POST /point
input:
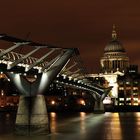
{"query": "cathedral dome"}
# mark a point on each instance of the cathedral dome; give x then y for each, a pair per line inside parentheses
(114, 45)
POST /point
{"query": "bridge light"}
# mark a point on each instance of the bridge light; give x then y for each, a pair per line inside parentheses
(40, 70)
(8, 79)
(75, 79)
(24, 74)
(64, 76)
(70, 78)
(35, 76)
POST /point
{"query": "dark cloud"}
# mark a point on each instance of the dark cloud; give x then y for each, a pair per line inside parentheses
(85, 24)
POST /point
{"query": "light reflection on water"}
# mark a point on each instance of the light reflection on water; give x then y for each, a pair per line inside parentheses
(110, 126)
(115, 127)
(82, 122)
(53, 122)
(137, 114)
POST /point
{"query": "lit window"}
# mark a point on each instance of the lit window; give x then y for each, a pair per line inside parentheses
(135, 104)
(132, 71)
(127, 82)
(121, 103)
(135, 99)
(135, 94)
(74, 93)
(121, 99)
(135, 88)
(121, 88)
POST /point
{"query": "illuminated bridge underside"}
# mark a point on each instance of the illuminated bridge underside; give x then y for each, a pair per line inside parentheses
(11, 62)
(32, 76)
(26, 64)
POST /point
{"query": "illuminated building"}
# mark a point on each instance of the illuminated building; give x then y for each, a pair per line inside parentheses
(124, 78)
(118, 73)
(110, 80)
(129, 87)
(8, 101)
(8, 94)
(66, 98)
(114, 58)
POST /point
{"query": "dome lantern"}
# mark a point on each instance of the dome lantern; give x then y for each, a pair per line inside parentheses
(114, 34)
(114, 45)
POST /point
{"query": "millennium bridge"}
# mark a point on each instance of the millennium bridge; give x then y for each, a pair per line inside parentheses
(32, 67)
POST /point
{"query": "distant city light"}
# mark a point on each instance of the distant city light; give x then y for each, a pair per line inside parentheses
(82, 102)
(53, 102)
(2, 93)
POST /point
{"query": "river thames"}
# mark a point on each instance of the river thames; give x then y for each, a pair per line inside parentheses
(80, 126)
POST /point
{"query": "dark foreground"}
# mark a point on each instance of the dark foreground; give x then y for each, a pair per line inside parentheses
(80, 126)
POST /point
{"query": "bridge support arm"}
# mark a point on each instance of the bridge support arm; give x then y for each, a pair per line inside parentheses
(54, 70)
(67, 69)
(40, 60)
(32, 117)
(99, 106)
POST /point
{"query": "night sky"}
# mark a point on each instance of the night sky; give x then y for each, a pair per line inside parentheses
(85, 24)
